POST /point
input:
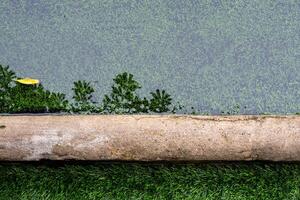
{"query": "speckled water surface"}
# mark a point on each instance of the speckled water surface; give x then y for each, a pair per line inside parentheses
(209, 54)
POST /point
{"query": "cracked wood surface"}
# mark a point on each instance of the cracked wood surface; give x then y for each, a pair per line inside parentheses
(149, 137)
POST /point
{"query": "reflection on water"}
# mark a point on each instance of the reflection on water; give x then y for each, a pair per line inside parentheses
(209, 54)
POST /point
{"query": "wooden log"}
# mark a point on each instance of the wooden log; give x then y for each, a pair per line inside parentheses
(149, 137)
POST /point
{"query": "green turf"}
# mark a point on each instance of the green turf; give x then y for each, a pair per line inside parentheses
(160, 181)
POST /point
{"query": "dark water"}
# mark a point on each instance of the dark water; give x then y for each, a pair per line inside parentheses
(209, 54)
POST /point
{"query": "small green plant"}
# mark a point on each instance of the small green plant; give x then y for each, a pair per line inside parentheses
(123, 97)
(83, 94)
(18, 98)
(160, 101)
(57, 102)
(6, 78)
(35, 99)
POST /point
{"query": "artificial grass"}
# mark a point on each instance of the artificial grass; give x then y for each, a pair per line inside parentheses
(246, 180)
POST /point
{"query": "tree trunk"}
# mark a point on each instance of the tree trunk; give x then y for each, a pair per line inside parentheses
(149, 137)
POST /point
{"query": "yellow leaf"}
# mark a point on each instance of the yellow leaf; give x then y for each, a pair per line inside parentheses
(28, 81)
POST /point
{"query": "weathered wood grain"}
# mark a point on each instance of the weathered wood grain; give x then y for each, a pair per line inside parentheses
(149, 137)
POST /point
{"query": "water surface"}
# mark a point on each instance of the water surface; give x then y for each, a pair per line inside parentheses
(208, 54)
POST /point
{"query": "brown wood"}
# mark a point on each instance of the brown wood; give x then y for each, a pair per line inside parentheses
(149, 137)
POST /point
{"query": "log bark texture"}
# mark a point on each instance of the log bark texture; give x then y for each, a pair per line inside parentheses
(149, 137)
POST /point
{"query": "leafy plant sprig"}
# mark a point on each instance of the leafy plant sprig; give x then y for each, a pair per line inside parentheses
(160, 101)
(6, 78)
(83, 94)
(123, 97)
